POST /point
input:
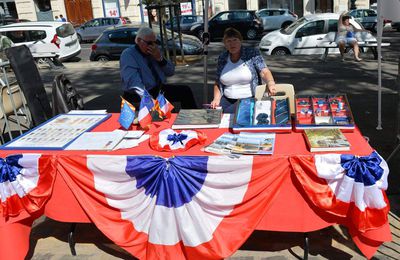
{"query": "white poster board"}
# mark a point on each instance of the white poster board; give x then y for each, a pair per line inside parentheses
(186, 8)
(111, 9)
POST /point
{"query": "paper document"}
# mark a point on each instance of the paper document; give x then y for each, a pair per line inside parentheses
(97, 141)
(129, 143)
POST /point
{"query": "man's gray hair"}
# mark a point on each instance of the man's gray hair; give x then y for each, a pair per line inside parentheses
(143, 32)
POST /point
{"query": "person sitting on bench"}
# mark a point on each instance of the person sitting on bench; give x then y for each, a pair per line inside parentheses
(346, 36)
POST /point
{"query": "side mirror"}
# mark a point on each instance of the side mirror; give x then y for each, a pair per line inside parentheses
(299, 34)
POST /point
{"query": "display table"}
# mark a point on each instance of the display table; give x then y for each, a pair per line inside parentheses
(278, 197)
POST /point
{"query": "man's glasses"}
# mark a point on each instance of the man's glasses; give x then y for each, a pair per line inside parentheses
(150, 42)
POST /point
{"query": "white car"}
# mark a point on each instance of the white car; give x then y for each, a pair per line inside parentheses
(57, 38)
(306, 34)
(276, 18)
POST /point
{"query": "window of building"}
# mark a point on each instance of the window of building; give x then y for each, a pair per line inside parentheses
(43, 5)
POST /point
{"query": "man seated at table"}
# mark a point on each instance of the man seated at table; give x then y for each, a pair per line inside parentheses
(142, 66)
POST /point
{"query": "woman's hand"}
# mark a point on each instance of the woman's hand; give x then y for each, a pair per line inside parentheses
(271, 87)
(215, 103)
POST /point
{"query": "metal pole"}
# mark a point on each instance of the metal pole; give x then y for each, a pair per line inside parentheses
(177, 11)
(379, 31)
(205, 87)
(172, 33)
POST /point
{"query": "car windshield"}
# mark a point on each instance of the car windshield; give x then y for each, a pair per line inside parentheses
(291, 28)
(65, 30)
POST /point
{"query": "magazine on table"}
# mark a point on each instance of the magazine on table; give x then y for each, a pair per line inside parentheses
(243, 143)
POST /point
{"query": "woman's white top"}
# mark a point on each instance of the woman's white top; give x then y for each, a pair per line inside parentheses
(237, 78)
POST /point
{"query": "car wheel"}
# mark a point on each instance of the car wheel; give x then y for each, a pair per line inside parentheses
(280, 51)
(251, 34)
(79, 38)
(286, 24)
(102, 58)
(200, 34)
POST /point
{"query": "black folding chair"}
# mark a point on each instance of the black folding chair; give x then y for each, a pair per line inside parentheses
(64, 96)
(29, 80)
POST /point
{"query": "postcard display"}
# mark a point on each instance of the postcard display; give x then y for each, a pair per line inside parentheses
(323, 111)
(56, 133)
(270, 114)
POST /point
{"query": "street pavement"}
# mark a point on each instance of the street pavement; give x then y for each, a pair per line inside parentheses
(99, 84)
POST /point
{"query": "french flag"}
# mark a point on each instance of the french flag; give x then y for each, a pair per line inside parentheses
(26, 183)
(165, 107)
(189, 207)
(146, 105)
(347, 186)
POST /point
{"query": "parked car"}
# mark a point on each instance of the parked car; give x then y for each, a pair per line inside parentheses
(273, 19)
(396, 26)
(305, 35)
(367, 17)
(113, 41)
(247, 22)
(185, 22)
(52, 37)
(92, 29)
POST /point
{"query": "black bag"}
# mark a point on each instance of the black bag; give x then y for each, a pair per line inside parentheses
(64, 96)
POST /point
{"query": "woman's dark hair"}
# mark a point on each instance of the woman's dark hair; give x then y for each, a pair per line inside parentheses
(232, 33)
(345, 17)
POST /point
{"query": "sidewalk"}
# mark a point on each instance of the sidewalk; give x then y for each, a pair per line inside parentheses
(99, 84)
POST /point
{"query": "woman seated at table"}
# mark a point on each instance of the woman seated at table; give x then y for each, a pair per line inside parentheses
(238, 72)
(346, 36)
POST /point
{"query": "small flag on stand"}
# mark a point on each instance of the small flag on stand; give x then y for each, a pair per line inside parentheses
(127, 114)
(146, 105)
(164, 106)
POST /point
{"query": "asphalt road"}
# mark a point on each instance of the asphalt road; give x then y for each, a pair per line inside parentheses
(388, 36)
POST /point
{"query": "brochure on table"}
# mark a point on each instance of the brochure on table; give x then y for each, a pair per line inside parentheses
(56, 133)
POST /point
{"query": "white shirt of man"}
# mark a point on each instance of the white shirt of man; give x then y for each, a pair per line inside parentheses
(237, 78)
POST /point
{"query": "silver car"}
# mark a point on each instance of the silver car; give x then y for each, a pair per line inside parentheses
(276, 18)
(367, 17)
(92, 29)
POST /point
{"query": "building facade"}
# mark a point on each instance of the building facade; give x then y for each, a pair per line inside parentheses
(79, 11)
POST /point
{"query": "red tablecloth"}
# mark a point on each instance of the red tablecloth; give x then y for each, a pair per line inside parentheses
(290, 211)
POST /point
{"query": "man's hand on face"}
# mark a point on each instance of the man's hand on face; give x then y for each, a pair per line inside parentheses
(154, 51)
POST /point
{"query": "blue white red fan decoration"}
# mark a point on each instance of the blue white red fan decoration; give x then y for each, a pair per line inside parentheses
(170, 140)
(26, 183)
(347, 186)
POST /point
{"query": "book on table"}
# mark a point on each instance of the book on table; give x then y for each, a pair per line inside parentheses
(326, 140)
(198, 118)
